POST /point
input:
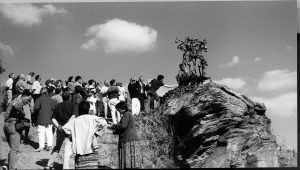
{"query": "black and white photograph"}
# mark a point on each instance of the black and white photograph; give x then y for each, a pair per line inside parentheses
(145, 84)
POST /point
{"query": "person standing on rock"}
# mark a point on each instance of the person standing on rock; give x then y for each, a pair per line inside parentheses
(62, 113)
(129, 155)
(154, 85)
(13, 115)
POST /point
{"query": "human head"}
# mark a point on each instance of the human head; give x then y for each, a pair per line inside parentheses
(11, 75)
(22, 76)
(181, 66)
(38, 78)
(112, 82)
(141, 78)
(160, 77)
(70, 79)
(83, 107)
(51, 89)
(57, 90)
(106, 83)
(78, 79)
(132, 80)
(26, 96)
(122, 107)
(31, 73)
(119, 84)
(91, 82)
(66, 96)
(44, 90)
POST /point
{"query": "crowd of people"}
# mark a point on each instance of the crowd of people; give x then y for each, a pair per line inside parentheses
(58, 106)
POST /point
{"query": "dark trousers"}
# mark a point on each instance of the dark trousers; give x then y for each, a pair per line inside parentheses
(142, 99)
(151, 97)
(13, 139)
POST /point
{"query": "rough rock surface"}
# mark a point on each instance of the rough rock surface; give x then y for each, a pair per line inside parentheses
(215, 127)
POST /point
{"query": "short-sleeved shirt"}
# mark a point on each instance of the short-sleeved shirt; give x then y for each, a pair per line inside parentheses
(36, 86)
(63, 112)
(9, 83)
(155, 85)
(113, 92)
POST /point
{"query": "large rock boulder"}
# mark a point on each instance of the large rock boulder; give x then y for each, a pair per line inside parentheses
(215, 127)
(203, 126)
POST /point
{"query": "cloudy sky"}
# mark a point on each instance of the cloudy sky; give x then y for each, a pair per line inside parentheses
(252, 46)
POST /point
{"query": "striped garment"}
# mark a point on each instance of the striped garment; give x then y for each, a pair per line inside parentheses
(129, 155)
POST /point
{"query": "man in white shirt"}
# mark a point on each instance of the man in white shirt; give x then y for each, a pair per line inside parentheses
(36, 87)
(8, 87)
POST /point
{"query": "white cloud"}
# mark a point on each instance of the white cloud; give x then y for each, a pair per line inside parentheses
(119, 35)
(6, 50)
(278, 80)
(257, 59)
(234, 61)
(284, 105)
(234, 83)
(28, 14)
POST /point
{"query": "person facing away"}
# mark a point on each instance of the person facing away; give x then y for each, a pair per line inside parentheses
(14, 114)
(134, 95)
(113, 96)
(57, 97)
(129, 156)
(63, 112)
(83, 129)
(44, 106)
(36, 87)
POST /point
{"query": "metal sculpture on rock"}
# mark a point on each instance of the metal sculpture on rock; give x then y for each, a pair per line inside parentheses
(193, 59)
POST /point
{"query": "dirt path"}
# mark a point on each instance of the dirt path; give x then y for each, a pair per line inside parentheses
(29, 158)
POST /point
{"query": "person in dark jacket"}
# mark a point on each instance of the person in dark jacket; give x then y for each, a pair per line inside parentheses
(63, 112)
(44, 106)
(128, 139)
(133, 90)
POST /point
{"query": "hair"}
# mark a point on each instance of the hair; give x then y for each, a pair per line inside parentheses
(44, 90)
(66, 96)
(77, 78)
(84, 84)
(112, 82)
(57, 90)
(26, 92)
(51, 89)
(122, 105)
(91, 81)
(10, 75)
(159, 77)
(37, 77)
(77, 89)
(180, 65)
(70, 78)
(83, 107)
(31, 73)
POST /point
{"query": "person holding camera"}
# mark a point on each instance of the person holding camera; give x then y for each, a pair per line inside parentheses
(14, 125)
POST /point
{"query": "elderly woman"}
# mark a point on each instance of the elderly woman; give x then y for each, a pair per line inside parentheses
(128, 138)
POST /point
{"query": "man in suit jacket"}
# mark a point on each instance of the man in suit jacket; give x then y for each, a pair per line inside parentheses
(141, 90)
